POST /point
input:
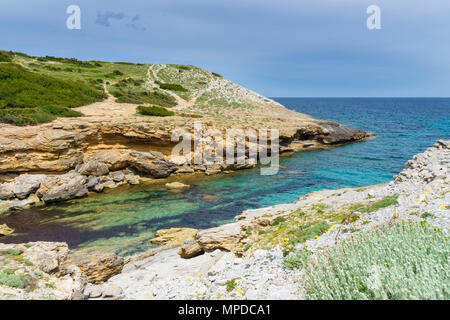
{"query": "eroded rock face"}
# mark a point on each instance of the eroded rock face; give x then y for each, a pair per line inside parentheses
(45, 268)
(174, 236)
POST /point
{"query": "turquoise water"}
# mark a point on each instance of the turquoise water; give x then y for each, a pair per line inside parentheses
(124, 219)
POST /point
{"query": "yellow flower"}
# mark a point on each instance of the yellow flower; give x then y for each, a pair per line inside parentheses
(287, 249)
(189, 279)
(295, 237)
(362, 219)
(334, 227)
(373, 225)
(356, 224)
(239, 291)
(200, 276)
(317, 237)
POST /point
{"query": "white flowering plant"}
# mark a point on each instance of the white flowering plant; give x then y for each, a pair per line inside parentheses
(399, 261)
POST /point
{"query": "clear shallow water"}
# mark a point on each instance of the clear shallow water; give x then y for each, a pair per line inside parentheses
(124, 219)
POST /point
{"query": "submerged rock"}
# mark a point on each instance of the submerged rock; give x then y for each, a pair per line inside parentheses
(177, 185)
(5, 230)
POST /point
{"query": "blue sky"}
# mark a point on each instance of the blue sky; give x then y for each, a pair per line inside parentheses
(303, 48)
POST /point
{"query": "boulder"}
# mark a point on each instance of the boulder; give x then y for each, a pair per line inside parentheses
(92, 182)
(213, 169)
(27, 184)
(174, 236)
(112, 290)
(132, 179)
(225, 237)
(5, 230)
(190, 249)
(99, 267)
(117, 176)
(94, 168)
(177, 185)
(23, 204)
(6, 191)
(115, 159)
(63, 187)
(47, 256)
(152, 163)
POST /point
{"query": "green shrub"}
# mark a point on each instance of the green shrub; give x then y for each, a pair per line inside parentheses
(231, 284)
(404, 261)
(11, 281)
(13, 252)
(154, 111)
(8, 271)
(151, 97)
(296, 260)
(172, 87)
(278, 220)
(308, 231)
(377, 205)
(28, 98)
(4, 57)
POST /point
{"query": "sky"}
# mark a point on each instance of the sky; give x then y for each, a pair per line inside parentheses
(279, 48)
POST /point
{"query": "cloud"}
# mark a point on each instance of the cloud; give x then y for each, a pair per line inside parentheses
(134, 24)
(103, 18)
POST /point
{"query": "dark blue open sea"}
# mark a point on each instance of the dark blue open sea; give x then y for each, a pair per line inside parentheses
(124, 219)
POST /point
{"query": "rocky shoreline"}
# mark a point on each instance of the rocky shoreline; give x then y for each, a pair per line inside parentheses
(241, 260)
(225, 270)
(57, 163)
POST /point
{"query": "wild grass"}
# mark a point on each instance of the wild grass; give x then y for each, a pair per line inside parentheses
(375, 206)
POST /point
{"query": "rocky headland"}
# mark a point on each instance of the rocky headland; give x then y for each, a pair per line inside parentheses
(110, 143)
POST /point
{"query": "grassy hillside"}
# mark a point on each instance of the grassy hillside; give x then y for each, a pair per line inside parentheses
(28, 97)
(38, 89)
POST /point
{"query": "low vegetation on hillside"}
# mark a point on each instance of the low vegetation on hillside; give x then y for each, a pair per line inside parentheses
(154, 111)
(28, 97)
